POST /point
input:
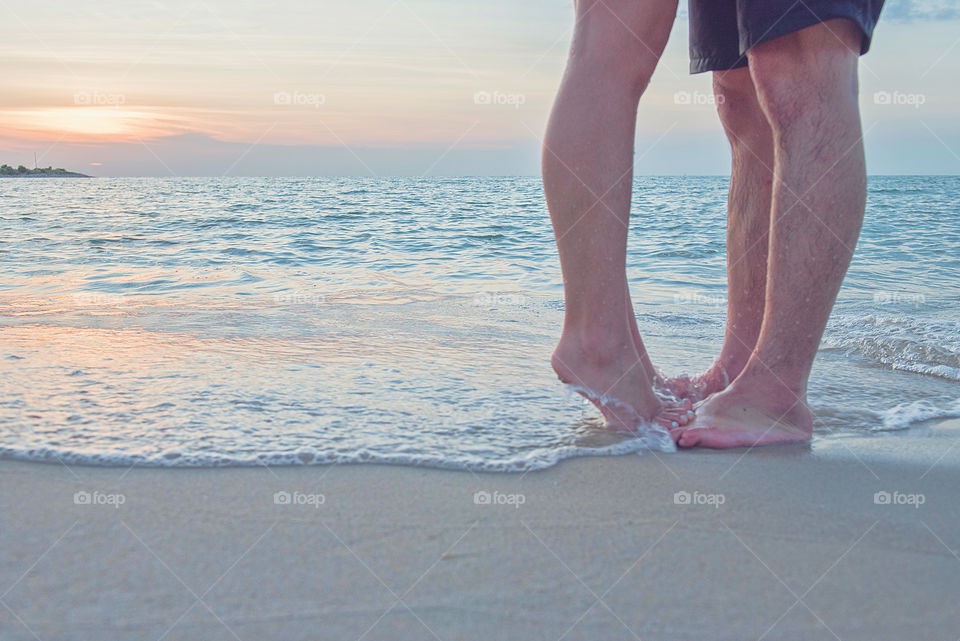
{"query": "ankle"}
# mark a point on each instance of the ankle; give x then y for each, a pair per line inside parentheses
(781, 389)
(598, 348)
(727, 368)
(734, 355)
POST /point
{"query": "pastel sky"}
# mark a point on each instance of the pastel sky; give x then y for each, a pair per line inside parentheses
(386, 87)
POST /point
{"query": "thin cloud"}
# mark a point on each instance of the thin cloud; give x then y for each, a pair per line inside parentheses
(915, 10)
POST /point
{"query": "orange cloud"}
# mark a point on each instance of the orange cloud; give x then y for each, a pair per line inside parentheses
(87, 124)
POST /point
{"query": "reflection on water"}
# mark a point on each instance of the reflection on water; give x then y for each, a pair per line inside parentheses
(225, 321)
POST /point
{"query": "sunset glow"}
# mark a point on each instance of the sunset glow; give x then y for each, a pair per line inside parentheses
(89, 124)
(399, 85)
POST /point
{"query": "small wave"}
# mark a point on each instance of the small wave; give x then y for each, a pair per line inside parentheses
(940, 371)
(530, 461)
(243, 207)
(652, 435)
(107, 240)
(904, 415)
(897, 190)
(921, 346)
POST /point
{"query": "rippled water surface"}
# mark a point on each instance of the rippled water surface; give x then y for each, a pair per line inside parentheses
(293, 320)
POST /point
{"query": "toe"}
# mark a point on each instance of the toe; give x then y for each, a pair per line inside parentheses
(690, 437)
(671, 412)
(677, 415)
(667, 422)
(713, 438)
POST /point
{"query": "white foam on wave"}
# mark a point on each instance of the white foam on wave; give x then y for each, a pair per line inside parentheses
(535, 460)
(904, 415)
(653, 436)
(902, 342)
(940, 371)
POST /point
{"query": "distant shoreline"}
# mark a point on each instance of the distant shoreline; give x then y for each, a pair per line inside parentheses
(66, 175)
(6, 171)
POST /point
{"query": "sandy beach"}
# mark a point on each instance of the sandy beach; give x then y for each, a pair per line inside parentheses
(775, 543)
(420, 321)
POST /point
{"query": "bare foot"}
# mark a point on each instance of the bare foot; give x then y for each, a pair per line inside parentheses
(745, 415)
(615, 380)
(697, 388)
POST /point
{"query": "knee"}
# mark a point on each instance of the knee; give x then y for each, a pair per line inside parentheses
(784, 89)
(621, 38)
(803, 76)
(740, 114)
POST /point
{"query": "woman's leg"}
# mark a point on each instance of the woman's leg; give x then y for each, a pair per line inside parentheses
(588, 175)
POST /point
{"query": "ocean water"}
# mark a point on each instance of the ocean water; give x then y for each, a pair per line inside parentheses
(247, 321)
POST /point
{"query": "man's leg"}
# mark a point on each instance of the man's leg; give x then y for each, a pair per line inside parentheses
(807, 85)
(748, 226)
(587, 175)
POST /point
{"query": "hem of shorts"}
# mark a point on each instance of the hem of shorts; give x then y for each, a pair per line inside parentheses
(707, 63)
(785, 29)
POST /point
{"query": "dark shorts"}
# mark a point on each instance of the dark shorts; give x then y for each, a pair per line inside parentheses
(722, 31)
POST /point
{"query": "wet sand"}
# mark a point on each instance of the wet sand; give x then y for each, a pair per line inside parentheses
(774, 543)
